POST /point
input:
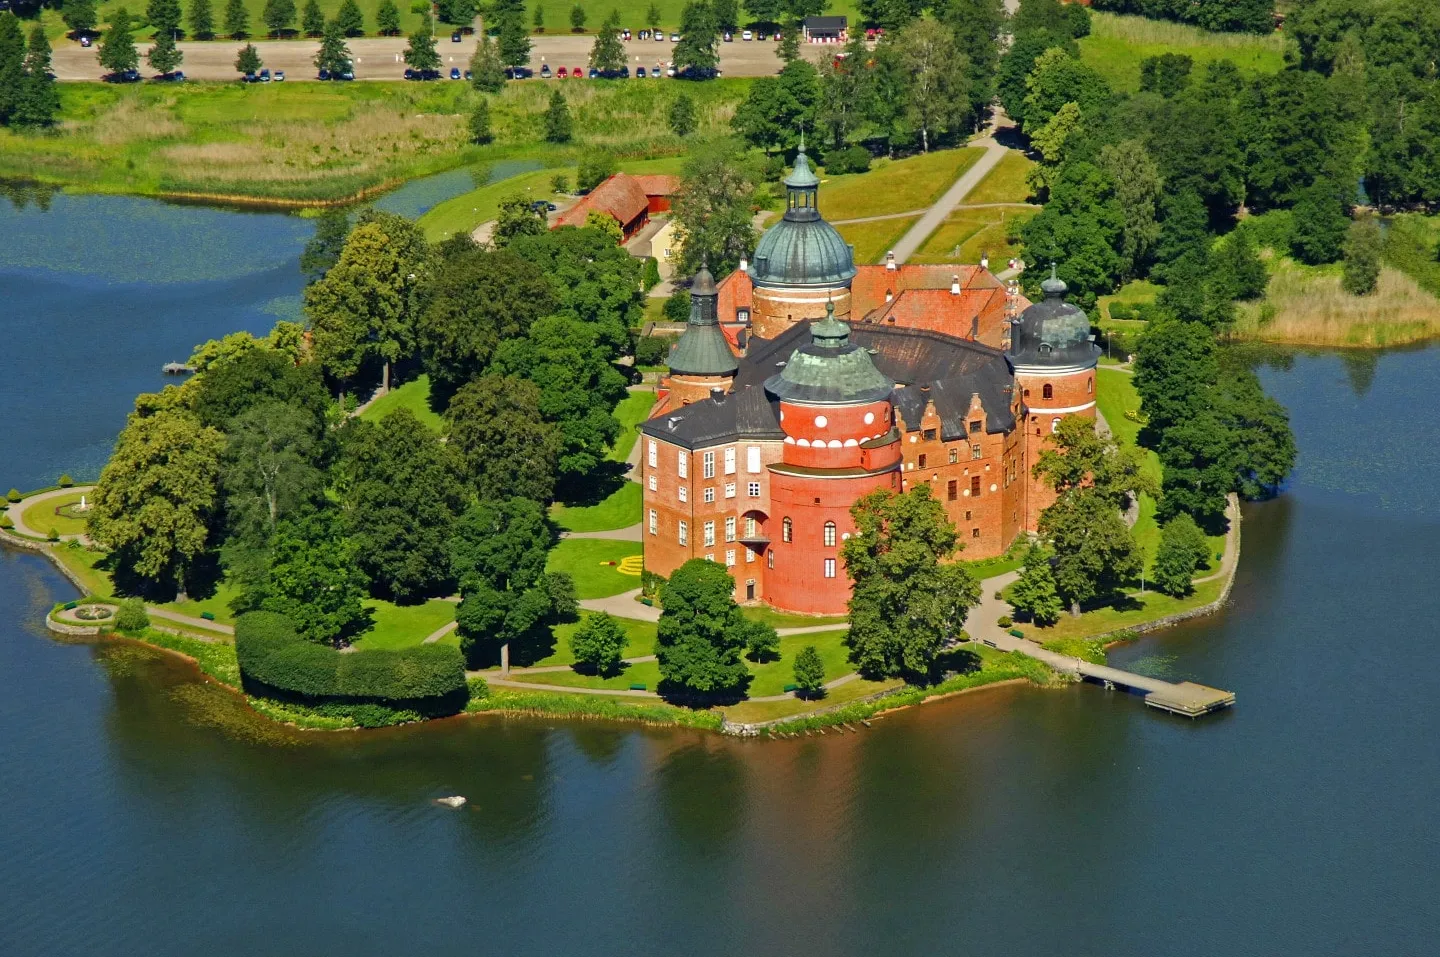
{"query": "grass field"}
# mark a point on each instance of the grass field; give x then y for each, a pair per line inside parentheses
(780, 619)
(587, 560)
(1305, 305)
(640, 640)
(631, 411)
(620, 510)
(1139, 609)
(1117, 44)
(968, 234)
(873, 240)
(55, 26)
(1005, 183)
(42, 518)
(305, 142)
(413, 395)
(402, 626)
(894, 186)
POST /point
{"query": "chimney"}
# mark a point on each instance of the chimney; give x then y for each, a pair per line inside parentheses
(744, 264)
(717, 393)
(955, 284)
(985, 261)
(890, 260)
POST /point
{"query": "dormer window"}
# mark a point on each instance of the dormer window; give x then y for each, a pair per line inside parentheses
(742, 315)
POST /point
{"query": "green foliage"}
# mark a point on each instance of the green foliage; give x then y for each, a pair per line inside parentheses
(131, 617)
(1095, 553)
(79, 16)
(65, 481)
(598, 644)
(487, 71)
(1319, 225)
(117, 47)
(315, 580)
(516, 218)
(420, 51)
(1034, 593)
(387, 18)
(696, 55)
(163, 15)
(1080, 458)
(762, 642)
(479, 123)
(350, 19)
(1363, 244)
(278, 16)
(237, 18)
(1250, 16)
(809, 672)
(712, 212)
(1167, 74)
(312, 21)
(651, 350)
(595, 168)
(334, 54)
(701, 631)
(248, 61)
(577, 18)
(1183, 549)
(608, 53)
(777, 109)
(1238, 269)
(13, 496)
(852, 159)
(557, 121)
(201, 19)
(908, 600)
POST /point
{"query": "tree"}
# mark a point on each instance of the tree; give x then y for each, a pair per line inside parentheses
(12, 65)
(387, 18)
(695, 55)
(164, 16)
(1167, 74)
(351, 19)
(420, 52)
(1362, 257)
(701, 632)
(1095, 553)
(727, 15)
(908, 600)
(514, 38)
(487, 73)
(762, 641)
(1184, 228)
(157, 496)
(506, 446)
(845, 88)
(516, 217)
(237, 18)
(607, 55)
(334, 54)
(939, 94)
(682, 115)
(557, 119)
(1057, 79)
(480, 123)
(472, 303)
(269, 472)
(1318, 225)
(789, 49)
(401, 493)
(79, 16)
(322, 251)
(131, 617)
(202, 19)
(595, 168)
(1174, 368)
(117, 46)
(314, 579)
(38, 102)
(278, 16)
(1079, 457)
(164, 57)
(1197, 456)
(1239, 272)
(777, 109)
(598, 645)
(1137, 191)
(809, 672)
(1182, 550)
(1262, 444)
(1034, 593)
(577, 18)
(605, 223)
(652, 16)
(312, 21)
(713, 211)
(594, 280)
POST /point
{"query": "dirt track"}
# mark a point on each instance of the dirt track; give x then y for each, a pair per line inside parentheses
(378, 58)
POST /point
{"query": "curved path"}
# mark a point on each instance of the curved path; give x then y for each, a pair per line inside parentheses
(17, 511)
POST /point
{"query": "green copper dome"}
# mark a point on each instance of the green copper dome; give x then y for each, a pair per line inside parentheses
(830, 370)
(802, 249)
(702, 349)
(1053, 333)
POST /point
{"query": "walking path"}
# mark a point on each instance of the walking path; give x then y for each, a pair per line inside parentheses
(920, 212)
(17, 512)
(630, 534)
(936, 214)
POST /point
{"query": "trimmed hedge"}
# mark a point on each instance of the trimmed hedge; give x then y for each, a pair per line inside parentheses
(426, 678)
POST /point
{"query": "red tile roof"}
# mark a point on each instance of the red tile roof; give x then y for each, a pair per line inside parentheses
(657, 184)
(620, 196)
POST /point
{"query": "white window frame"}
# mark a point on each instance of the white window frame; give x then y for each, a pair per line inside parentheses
(652, 454)
(709, 494)
(750, 524)
(730, 461)
(752, 459)
(730, 528)
(829, 534)
(754, 490)
(729, 558)
(709, 538)
(708, 465)
(682, 464)
(654, 483)
(654, 522)
(684, 493)
(684, 532)
(829, 568)
(729, 489)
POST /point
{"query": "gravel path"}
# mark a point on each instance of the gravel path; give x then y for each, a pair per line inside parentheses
(17, 511)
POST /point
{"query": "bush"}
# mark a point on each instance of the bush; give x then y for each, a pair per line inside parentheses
(65, 481)
(650, 273)
(6, 521)
(598, 645)
(650, 582)
(561, 183)
(1121, 310)
(131, 618)
(762, 642)
(1005, 621)
(54, 535)
(595, 169)
(651, 350)
(854, 159)
(677, 307)
(427, 678)
(13, 495)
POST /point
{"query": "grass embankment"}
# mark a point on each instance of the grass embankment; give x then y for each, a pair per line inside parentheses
(308, 143)
(894, 186)
(1117, 44)
(620, 509)
(969, 233)
(599, 566)
(413, 395)
(54, 514)
(873, 240)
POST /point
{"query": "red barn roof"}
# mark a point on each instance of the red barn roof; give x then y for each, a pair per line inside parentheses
(620, 197)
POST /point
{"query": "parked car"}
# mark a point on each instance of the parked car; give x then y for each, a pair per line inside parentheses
(563, 73)
(455, 37)
(323, 75)
(265, 76)
(747, 35)
(85, 41)
(279, 76)
(729, 37)
(130, 76)
(577, 73)
(639, 73)
(454, 73)
(410, 74)
(543, 206)
(467, 76)
(674, 38)
(644, 34)
(594, 73)
(545, 73)
(670, 70)
(625, 34)
(518, 73)
(251, 78)
(348, 75)
(659, 36)
(778, 37)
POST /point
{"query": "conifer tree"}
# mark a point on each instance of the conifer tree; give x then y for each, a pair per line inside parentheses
(487, 73)
(682, 115)
(1362, 257)
(420, 52)
(514, 40)
(539, 19)
(237, 19)
(164, 16)
(164, 57)
(387, 18)
(557, 119)
(12, 64)
(351, 20)
(248, 60)
(608, 54)
(333, 55)
(577, 18)
(79, 16)
(202, 20)
(480, 123)
(38, 102)
(117, 47)
(312, 21)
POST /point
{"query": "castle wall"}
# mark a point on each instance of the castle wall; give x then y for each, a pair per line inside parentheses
(773, 311)
(1070, 393)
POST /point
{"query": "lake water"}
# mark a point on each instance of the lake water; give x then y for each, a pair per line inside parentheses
(144, 813)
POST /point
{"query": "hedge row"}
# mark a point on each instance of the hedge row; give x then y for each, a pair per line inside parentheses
(425, 678)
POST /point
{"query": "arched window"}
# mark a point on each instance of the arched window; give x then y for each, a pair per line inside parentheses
(829, 534)
(1048, 392)
(787, 529)
(1090, 385)
(1054, 425)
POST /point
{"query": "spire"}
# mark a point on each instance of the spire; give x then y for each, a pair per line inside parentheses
(1054, 287)
(830, 333)
(702, 349)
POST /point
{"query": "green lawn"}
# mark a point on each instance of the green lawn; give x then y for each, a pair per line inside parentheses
(646, 673)
(990, 567)
(1132, 293)
(1117, 44)
(217, 604)
(894, 186)
(620, 510)
(632, 411)
(1139, 610)
(468, 210)
(588, 562)
(81, 561)
(41, 516)
(780, 619)
(1005, 183)
(968, 234)
(747, 711)
(640, 635)
(401, 626)
(413, 395)
(873, 240)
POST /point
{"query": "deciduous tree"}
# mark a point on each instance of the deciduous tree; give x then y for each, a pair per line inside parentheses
(420, 52)
(701, 632)
(487, 72)
(270, 470)
(516, 218)
(164, 16)
(695, 55)
(278, 16)
(713, 211)
(598, 645)
(1362, 257)
(79, 16)
(1137, 191)
(607, 55)
(506, 445)
(682, 115)
(1034, 594)
(387, 18)
(314, 579)
(809, 672)
(939, 83)
(1182, 550)
(1095, 553)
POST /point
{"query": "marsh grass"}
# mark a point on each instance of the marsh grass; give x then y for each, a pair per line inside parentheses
(1306, 306)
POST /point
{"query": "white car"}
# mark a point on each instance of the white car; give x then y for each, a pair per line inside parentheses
(659, 36)
(747, 35)
(674, 38)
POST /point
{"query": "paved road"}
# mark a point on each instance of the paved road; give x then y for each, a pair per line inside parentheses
(378, 58)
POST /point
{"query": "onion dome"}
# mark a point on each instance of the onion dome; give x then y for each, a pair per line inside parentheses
(1053, 333)
(830, 370)
(802, 249)
(702, 349)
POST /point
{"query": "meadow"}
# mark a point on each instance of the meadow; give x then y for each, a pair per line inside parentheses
(1117, 44)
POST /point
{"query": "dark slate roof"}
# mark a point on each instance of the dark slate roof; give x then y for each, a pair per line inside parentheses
(825, 23)
(1053, 332)
(952, 369)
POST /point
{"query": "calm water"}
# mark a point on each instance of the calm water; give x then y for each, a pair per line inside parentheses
(144, 814)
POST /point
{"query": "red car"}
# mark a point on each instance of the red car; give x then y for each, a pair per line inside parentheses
(578, 73)
(562, 73)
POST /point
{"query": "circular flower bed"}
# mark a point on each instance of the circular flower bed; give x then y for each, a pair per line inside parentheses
(94, 612)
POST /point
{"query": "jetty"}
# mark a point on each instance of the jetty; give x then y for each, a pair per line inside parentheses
(177, 368)
(1184, 698)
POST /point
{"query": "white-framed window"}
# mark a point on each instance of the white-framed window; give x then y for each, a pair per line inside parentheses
(653, 483)
(684, 533)
(752, 459)
(654, 521)
(749, 555)
(652, 454)
(742, 315)
(710, 557)
(730, 461)
(709, 533)
(684, 493)
(729, 489)
(829, 568)
(682, 464)
(709, 465)
(787, 529)
(709, 495)
(954, 456)
(1055, 425)
(829, 534)
(749, 527)
(730, 528)
(754, 490)
(729, 557)
(974, 452)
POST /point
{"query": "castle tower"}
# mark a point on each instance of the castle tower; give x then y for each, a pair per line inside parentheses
(801, 263)
(840, 443)
(701, 360)
(1054, 359)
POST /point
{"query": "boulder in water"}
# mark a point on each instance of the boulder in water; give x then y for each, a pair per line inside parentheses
(454, 800)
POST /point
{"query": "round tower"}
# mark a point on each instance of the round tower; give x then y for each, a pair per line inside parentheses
(1054, 358)
(701, 359)
(840, 443)
(801, 264)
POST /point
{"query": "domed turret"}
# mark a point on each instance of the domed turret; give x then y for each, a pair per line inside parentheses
(1052, 333)
(830, 370)
(702, 349)
(802, 249)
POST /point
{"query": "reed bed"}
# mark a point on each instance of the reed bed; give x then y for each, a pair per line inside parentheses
(1308, 307)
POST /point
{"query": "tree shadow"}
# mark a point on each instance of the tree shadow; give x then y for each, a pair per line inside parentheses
(591, 671)
(683, 697)
(594, 487)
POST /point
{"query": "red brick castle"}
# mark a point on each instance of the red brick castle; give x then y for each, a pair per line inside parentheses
(803, 382)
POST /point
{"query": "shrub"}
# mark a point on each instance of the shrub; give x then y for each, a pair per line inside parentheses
(651, 350)
(65, 481)
(6, 521)
(54, 535)
(131, 618)
(650, 273)
(854, 159)
(1005, 621)
(650, 582)
(13, 495)
(1121, 310)
(561, 183)
(677, 307)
